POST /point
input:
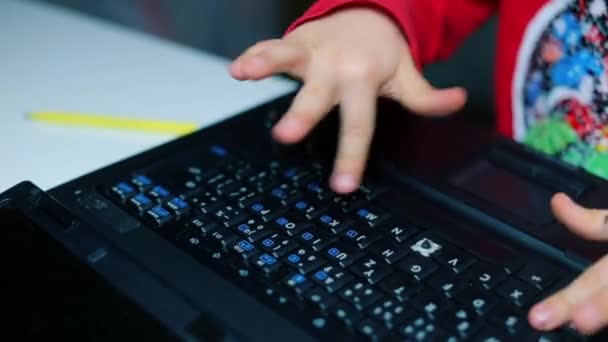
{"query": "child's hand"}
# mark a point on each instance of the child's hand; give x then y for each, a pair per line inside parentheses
(584, 303)
(348, 58)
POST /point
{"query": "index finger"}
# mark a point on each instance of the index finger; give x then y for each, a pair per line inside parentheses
(274, 57)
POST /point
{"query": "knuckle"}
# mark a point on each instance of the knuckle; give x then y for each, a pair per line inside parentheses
(357, 130)
(358, 70)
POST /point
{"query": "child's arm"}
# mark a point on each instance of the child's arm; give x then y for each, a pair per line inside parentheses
(355, 51)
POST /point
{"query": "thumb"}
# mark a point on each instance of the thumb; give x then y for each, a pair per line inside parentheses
(419, 96)
(588, 223)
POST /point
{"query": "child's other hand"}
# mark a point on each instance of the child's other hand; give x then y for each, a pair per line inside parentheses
(348, 58)
(584, 303)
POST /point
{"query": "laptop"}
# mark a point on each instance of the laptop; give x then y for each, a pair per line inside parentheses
(225, 235)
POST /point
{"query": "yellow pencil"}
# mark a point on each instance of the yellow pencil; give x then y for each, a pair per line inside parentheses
(113, 122)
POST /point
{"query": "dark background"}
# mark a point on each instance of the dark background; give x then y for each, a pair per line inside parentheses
(227, 27)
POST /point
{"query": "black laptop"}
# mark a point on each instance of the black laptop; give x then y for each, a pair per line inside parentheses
(224, 235)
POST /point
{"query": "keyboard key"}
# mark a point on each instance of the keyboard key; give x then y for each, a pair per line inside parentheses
(159, 216)
(431, 304)
(296, 175)
(343, 254)
(457, 314)
(309, 209)
(203, 225)
(488, 335)
(194, 239)
(159, 193)
(398, 232)
(371, 216)
(142, 182)
(485, 275)
(218, 151)
(277, 245)
(243, 196)
(545, 336)
(267, 263)
(476, 300)
(178, 206)
(422, 329)
(362, 238)
(321, 298)
(222, 237)
(400, 287)
(266, 210)
(228, 186)
(538, 274)
(217, 180)
(359, 294)
(285, 194)
(507, 319)
(517, 292)
(332, 277)
(204, 200)
(229, 215)
(253, 229)
(290, 224)
(244, 249)
(417, 267)
(515, 263)
(447, 284)
(389, 250)
(426, 246)
(456, 259)
(346, 313)
(331, 221)
(239, 168)
(303, 260)
(390, 312)
(315, 189)
(315, 239)
(123, 191)
(348, 203)
(371, 329)
(372, 269)
(141, 203)
(263, 181)
(297, 282)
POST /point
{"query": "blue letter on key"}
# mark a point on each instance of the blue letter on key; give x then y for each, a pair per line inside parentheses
(307, 236)
(293, 258)
(321, 275)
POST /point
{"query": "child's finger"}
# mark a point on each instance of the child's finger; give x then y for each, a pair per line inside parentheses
(416, 94)
(235, 66)
(273, 58)
(313, 101)
(358, 107)
(592, 315)
(588, 223)
(558, 308)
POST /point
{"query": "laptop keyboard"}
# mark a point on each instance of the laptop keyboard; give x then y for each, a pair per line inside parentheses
(344, 260)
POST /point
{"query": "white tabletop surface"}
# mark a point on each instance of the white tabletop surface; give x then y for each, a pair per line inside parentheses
(56, 59)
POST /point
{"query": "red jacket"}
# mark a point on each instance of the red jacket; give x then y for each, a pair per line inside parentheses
(550, 71)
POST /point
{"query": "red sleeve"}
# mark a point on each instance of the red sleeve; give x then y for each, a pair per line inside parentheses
(434, 28)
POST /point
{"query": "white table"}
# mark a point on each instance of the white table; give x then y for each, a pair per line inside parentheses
(56, 59)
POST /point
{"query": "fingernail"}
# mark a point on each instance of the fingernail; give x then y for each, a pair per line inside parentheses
(344, 182)
(542, 315)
